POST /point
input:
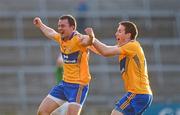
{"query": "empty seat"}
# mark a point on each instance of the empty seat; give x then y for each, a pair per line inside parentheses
(39, 84)
(19, 5)
(169, 54)
(7, 28)
(172, 5)
(10, 56)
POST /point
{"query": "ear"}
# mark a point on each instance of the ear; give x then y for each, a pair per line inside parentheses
(73, 27)
(128, 35)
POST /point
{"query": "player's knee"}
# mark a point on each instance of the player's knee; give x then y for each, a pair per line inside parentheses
(74, 109)
(42, 112)
(115, 112)
(62, 110)
(39, 112)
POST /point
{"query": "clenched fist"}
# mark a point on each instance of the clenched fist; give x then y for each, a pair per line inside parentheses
(37, 21)
(90, 32)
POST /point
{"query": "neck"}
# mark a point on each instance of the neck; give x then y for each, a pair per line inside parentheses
(124, 42)
(65, 38)
(72, 34)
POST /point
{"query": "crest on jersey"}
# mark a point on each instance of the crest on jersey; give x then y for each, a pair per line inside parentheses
(70, 58)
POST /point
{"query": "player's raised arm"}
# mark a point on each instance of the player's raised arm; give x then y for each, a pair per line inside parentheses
(102, 48)
(49, 32)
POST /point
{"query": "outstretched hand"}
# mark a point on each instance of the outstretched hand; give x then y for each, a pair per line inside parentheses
(37, 21)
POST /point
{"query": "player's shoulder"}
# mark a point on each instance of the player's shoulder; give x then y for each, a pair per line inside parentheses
(80, 35)
(130, 43)
(133, 43)
(77, 35)
(57, 35)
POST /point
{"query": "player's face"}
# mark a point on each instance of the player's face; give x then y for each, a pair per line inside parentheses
(64, 28)
(120, 34)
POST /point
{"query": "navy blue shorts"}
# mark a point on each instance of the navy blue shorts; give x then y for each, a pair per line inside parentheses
(133, 104)
(70, 92)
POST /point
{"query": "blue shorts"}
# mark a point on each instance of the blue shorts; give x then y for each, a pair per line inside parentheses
(70, 92)
(133, 104)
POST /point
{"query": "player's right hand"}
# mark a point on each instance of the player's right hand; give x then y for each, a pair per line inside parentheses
(90, 32)
(37, 21)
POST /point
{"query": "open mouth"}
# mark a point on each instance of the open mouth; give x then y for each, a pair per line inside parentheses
(117, 39)
(61, 32)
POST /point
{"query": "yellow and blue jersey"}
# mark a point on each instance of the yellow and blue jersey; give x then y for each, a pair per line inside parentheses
(75, 57)
(134, 69)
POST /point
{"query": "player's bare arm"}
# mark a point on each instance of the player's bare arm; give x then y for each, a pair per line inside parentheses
(102, 48)
(93, 49)
(49, 32)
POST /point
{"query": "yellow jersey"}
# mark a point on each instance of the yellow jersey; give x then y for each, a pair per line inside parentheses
(133, 68)
(75, 58)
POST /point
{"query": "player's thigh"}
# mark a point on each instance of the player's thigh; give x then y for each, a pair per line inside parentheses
(124, 105)
(74, 109)
(47, 105)
(57, 92)
(62, 110)
(76, 93)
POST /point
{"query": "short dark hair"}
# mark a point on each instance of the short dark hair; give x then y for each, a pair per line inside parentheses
(71, 20)
(131, 28)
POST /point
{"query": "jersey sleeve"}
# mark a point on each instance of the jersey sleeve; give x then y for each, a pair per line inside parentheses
(57, 38)
(128, 49)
